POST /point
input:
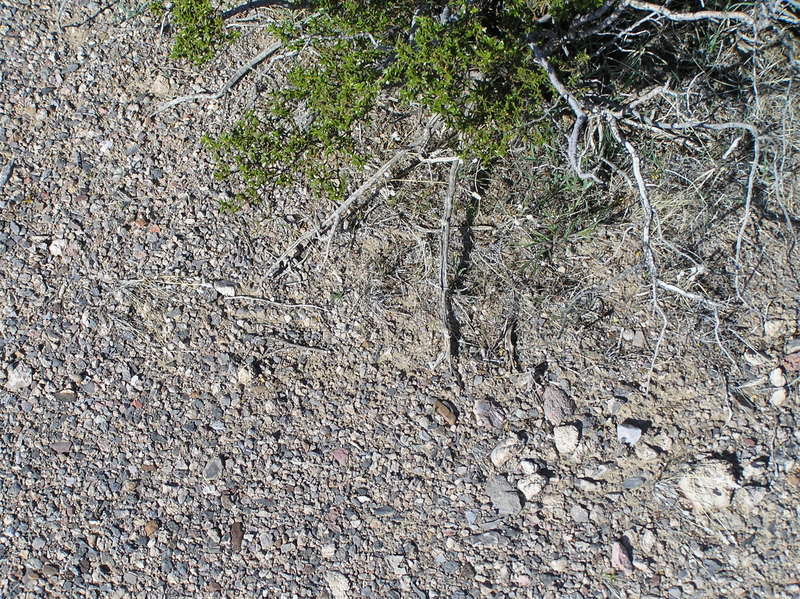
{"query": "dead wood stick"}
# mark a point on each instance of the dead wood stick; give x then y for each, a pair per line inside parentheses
(253, 63)
(702, 15)
(336, 215)
(444, 252)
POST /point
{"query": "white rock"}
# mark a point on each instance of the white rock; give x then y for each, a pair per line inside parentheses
(531, 486)
(225, 288)
(18, 377)
(778, 397)
(708, 485)
(647, 541)
(559, 565)
(338, 584)
(505, 450)
(58, 246)
(586, 484)
(245, 375)
(777, 378)
(528, 467)
(773, 328)
(566, 438)
(628, 433)
(646, 453)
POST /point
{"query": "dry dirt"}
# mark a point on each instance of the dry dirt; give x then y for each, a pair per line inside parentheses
(178, 421)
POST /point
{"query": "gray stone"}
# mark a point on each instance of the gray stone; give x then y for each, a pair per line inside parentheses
(488, 414)
(633, 482)
(579, 514)
(61, 446)
(213, 468)
(505, 498)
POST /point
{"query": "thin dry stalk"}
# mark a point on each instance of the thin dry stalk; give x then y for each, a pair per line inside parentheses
(445, 306)
(702, 15)
(238, 76)
(581, 118)
(345, 206)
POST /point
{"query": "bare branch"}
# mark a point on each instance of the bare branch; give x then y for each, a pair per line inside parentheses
(253, 63)
(334, 217)
(581, 118)
(444, 252)
(703, 15)
(247, 6)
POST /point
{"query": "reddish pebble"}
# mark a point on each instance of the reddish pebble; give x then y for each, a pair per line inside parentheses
(749, 442)
(137, 404)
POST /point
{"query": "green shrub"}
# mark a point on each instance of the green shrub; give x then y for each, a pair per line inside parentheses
(466, 63)
(200, 30)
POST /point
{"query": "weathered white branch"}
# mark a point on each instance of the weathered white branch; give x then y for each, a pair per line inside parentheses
(581, 118)
(253, 63)
(702, 15)
(444, 253)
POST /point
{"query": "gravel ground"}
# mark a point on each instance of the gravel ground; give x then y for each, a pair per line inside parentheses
(176, 423)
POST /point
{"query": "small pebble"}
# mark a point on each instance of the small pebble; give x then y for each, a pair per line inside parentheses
(566, 438)
(579, 514)
(213, 468)
(777, 378)
(504, 451)
(628, 433)
(18, 377)
(531, 486)
(778, 397)
(646, 453)
(633, 482)
(557, 406)
(621, 558)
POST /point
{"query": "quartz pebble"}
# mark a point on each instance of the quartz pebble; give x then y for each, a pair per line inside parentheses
(566, 438)
(18, 377)
(504, 450)
(628, 433)
(531, 486)
(777, 378)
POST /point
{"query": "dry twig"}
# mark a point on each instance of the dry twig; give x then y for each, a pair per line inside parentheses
(344, 207)
(253, 63)
(446, 308)
(702, 15)
(581, 118)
